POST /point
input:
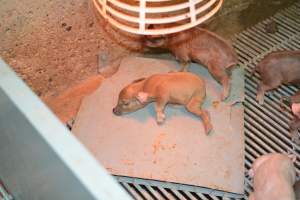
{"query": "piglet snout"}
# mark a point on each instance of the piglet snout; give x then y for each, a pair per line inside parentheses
(296, 109)
(116, 111)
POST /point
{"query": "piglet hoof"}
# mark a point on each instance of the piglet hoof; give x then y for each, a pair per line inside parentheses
(208, 128)
(225, 94)
(159, 122)
(282, 108)
(260, 100)
(223, 97)
(160, 119)
(295, 137)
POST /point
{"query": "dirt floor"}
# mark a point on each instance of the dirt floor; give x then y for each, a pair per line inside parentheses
(55, 45)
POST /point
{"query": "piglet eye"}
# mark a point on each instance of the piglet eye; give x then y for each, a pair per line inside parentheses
(126, 104)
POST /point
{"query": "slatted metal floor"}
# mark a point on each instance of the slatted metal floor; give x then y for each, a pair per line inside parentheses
(266, 127)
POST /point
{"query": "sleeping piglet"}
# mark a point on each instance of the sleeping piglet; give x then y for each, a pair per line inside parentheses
(277, 68)
(182, 88)
(200, 46)
(273, 177)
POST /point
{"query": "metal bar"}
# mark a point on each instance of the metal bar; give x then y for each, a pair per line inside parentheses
(143, 191)
(131, 191)
(167, 194)
(255, 45)
(156, 194)
(201, 196)
(192, 197)
(56, 151)
(178, 194)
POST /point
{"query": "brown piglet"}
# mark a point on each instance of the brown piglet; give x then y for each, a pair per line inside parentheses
(277, 68)
(182, 88)
(201, 46)
(297, 190)
(294, 102)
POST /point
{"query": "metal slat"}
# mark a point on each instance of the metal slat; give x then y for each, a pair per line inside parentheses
(261, 28)
(167, 194)
(263, 37)
(271, 106)
(179, 195)
(243, 53)
(249, 151)
(259, 39)
(156, 194)
(268, 127)
(247, 48)
(293, 45)
(255, 45)
(271, 114)
(201, 196)
(285, 23)
(290, 16)
(191, 196)
(241, 57)
(131, 191)
(143, 191)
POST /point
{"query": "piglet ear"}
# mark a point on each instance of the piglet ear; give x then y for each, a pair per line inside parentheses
(142, 97)
(296, 109)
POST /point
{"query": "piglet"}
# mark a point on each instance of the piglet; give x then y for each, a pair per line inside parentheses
(277, 68)
(273, 177)
(294, 102)
(200, 46)
(297, 190)
(182, 88)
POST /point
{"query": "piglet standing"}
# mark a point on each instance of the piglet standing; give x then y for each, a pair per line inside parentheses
(200, 46)
(182, 88)
(273, 177)
(277, 68)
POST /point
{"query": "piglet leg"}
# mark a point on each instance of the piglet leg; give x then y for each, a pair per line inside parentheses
(282, 104)
(194, 106)
(260, 94)
(221, 75)
(267, 83)
(251, 196)
(184, 66)
(159, 108)
(294, 126)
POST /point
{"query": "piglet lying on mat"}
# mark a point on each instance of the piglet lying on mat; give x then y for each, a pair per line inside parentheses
(182, 88)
